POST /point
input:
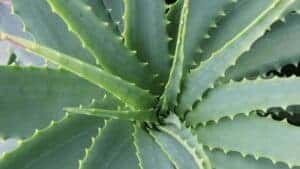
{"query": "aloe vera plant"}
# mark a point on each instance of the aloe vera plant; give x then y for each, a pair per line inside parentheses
(139, 84)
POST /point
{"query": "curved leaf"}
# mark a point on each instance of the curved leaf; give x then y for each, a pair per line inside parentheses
(31, 97)
(204, 76)
(125, 91)
(58, 146)
(180, 145)
(113, 148)
(103, 43)
(172, 88)
(145, 32)
(243, 97)
(254, 135)
(201, 18)
(149, 153)
(234, 160)
(53, 33)
(277, 48)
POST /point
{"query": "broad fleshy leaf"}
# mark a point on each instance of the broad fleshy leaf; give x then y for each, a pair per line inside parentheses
(113, 148)
(145, 32)
(125, 91)
(182, 148)
(235, 160)
(48, 29)
(201, 18)
(258, 18)
(246, 96)
(149, 153)
(254, 135)
(277, 48)
(172, 88)
(31, 97)
(103, 43)
(60, 145)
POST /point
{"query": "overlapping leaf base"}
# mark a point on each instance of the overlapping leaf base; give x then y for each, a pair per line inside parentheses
(139, 84)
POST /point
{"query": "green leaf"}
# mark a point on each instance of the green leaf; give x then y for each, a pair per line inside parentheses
(31, 97)
(277, 48)
(239, 15)
(99, 9)
(254, 135)
(116, 9)
(125, 91)
(234, 160)
(201, 18)
(12, 24)
(173, 17)
(131, 115)
(263, 14)
(113, 148)
(172, 88)
(181, 147)
(103, 43)
(48, 29)
(58, 146)
(245, 97)
(145, 32)
(149, 153)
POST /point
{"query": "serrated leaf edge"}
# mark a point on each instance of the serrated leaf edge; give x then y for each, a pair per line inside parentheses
(212, 84)
(164, 150)
(93, 143)
(196, 152)
(36, 133)
(233, 116)
(244, 154)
